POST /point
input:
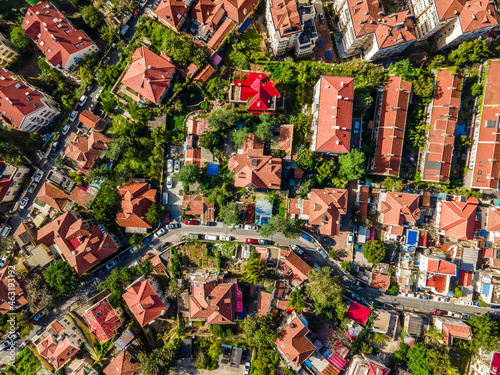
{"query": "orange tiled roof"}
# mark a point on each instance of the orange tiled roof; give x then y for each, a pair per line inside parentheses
(198, 206)
(293, 342)
(286, 139)
(144, 303)
(171, 11)
(452, 331)
(400, 208)
(285, 16)
(19, 296)
(212, 302)
(380, 281)
(53, 196)
(292, 267)
(125, 363)
(264, 303)
(136, 198)
(458, 219)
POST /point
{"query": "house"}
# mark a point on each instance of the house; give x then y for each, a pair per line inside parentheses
(142, 298)
(255, 90)
(389, 126)
(102, 320)
(252, 169)
(379, 281)
(23, 106)
(157, 264)
(173, 13)
(60, 342)
(11, 180)
(436, 274)
(25, 234)
(290, 25)
(413, 324)
(51, 198)
(85, 150)
(82, 243)
(488, 286)
(203, 75)
(212, 300)
(332, 114)
(366, 28)
(148, 78)
(80, 196)
(323, 209)
(125, 363)
(398, 210)
(452, 329)
(38, 256)
(367, 364)
(452, 22)
(63, 45)
(285, 141)
(125, 338)
(291, 268)
(195, 154)
(485, 364)
(8, 53)
(457, 219)
(293, 341)
(136, 198)
(8, 285)
(385, 322)
(91, 121)
(493, 224)
(196, 205)
(358, 313)
(264, 303)
(436, 165)
(484, 157)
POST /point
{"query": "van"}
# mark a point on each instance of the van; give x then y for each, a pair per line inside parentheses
(164, 200)
(193, 236)
(211, 237)
(5, 231)
(124, 30)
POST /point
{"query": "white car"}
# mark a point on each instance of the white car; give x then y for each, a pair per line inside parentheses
(23, 203)
(65, 129)
(169, 182)
(297, 249)
(350, 238)
(73, 115)
(322, 252)
(247, 368)
(251, 227)
(159, 233)
(170, 166)
(142, 3)
(38, 176)
(177, 166)
(82, 100)
(226, 238)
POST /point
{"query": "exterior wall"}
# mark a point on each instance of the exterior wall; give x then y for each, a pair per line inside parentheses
(426, 16)
(372, 51)
(41, 117)
(315, 113)
(280, 45)
(451, 35)
(76, 57)
(8, 53)
(17, 175)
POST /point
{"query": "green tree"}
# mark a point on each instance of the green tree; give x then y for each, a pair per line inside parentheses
(297, 300)
(476, 89)
(99, 173)
(154, 213)
(91, 16)
(434, 336)
(458, 293)
(393, 289)
(264, 129)
(365, 348)
(260, 331)
(230, 213)
(239, 137)
(392, 184)
(374, 251)
(59, 161)
(107, 34)
(290, 228)
(404, 69)
(301, 123)
(105, 204)
(423, 86)
(212, 140)
(325, 171)
(188, 174)
(484, 334)
(437, 62)
(306, 159)
(469, 52)
(363, 100)
(352, 165)
(440, 362)
(418, 363)
(254, 271)
(379, 338)
(159, 361)
(222, 120)
(324, 289)
(62, 277)
(19, 38)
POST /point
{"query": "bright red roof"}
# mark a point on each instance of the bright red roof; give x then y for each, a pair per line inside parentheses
(102, 320)
(458, 219)
(358, 313)
(144, 302)
(495, 364)
(441, 267)
(259, 91)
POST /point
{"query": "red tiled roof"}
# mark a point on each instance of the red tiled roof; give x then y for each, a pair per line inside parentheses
(53, 196)
(400, 208)
(264, 303)
(495, 364)
(53, 35)
(292, 267)
(238, 10)
(6, 290)
(493, 224)
(80, 196)
(465, 278)
(208, 13)
(358, 313)
(85, 151)
(204, 74)
(136, 198)
(286, 17)
(198, 126)
(125, 363)
(392, 125)
(148, 74)
(102, 320)
(293, 342)
(258, 91)
(441, 140)
(333, 130)
(458, 219)
(380, 281)
(171, 11)
(395, 29)
(198, 205)
(452, 331)
(212, 302)
(58, 352)
(144, 303)
(222, 31)
(157, 264)
(259, 172)
(364, 199)
(437, 282)
(286, 139)
(89, 119)
(474, 15)
(5, 184)
(441, 267)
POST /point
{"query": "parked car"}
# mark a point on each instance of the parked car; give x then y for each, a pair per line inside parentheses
(266, 242)
(4, 345)
(38, 176)
(167, 217)
(466, 316)
(32, 187)
(73, 115)
(246, 371)
(226, 238)
(40, 330)
(321, 18)
(329, 241)
(54, 146)
(237, 226)
(23, 203)
(177, 166)
(306, 258)
(209, 223)
(356, 127)
(169, 182)
(170, 166)
(251, 227)
(350, 239)
(252, 241)
(111, 264)
(105, 61)
(3, 260)
(23, 344)
(191, 222)
(38, 316)
(322, 252)
(92, 293)
(297, 249)
(307, 237)
(164, 246)
(65, 129)
(160, 232)
(174, 226)
(142, 3)
(89, 87)
(136, 12)
(438, 312)
(82, 100)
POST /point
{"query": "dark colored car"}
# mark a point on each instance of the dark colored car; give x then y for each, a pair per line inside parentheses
(136, 12)
(40, 330)
(92, 294)
(307, 237)
(191, 222)
(329, 241)
(164, 246)
(252, 241)
(306, 258)
(146, 241)
(209, 223)
(266, 242)
(438, 312)
(174, 226)
(167, 217)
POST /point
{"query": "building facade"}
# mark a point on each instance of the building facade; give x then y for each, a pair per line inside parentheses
(8, 53)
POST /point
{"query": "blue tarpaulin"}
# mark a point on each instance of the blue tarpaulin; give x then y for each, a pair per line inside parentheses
(243, 314)
(213, 169)
(245, 24)
(320, 42)
(329, 54)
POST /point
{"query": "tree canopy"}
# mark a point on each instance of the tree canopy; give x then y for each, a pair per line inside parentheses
(91, 16)
(159, 361)
(254, 270)
(19, 38)
(261, 331)
(239, 137)
(222, 120)
(62, 277)
(306, 158)
(230, 213)
(418, 362)
(374, 251)
(290, 228)
(188, 174)
(264, 129)
(105, 204)
(323, 288)
(352, 165)
(154, 213)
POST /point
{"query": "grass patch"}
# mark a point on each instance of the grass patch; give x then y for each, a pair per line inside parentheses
(25, 364)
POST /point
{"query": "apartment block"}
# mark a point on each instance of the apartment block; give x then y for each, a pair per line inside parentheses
(8, 53)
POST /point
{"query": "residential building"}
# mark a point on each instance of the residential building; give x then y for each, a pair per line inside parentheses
(389, 126)
(379, 281)
(102, 320)
(212, 300)
(438, 153)
(485, 364)
(285, 141)
(51, 198)
(452, 22)
(11, 180)
(38, 256)
(8, 53)
(492, 219)
(385, 322)
(367, 364)
(255, 90)
(457, 219)
(195, 154)
(488, 286)
(148, 78)
(452, 329)
(358, 313)
(9, 284)
(91, 120)
(23, 106)
(398, 210)
(196, 205)
(264, 303)
(252, 169)
(63, 45)
(435, 274)
(25, 234)
(293, 341)
(173, 13)
(413, 324)
(323, 209)
(136, 198)
(484, 156)
(367, 29)
(125, 363)
(332, 114)
(291, 268)
(85, 150)
(80, 241)
(290, 24)
(144, 301)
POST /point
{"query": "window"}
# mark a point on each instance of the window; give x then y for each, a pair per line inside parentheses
(479, 172)
(36, 105)
(98, 313)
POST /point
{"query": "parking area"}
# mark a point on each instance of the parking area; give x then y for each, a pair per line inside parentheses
(320, 52)
(173, 189)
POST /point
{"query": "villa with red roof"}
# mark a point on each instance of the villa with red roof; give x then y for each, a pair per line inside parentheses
(493, 224)
(332, 114)
(453, 21)
(398, 210)
(367, 364)
(91, 120)
(144, 302)
(435, 274)
(172, 13)
(50, 198)
(484, 158)
(7, 286)
(85, 150)
(436, 165)
(136, 198)
(255, 90)
(212, 300)
(102, 320)
(452, 329)
(198, 206)
(292, 268)
(63, 45)
(365, 26)
(264, 303)
(83, 244)
(125, 363)
(457, 219)
(390, 123)
(293, 342)
(322, 209)
(22, 106)
(358, 313)
(148, 78)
